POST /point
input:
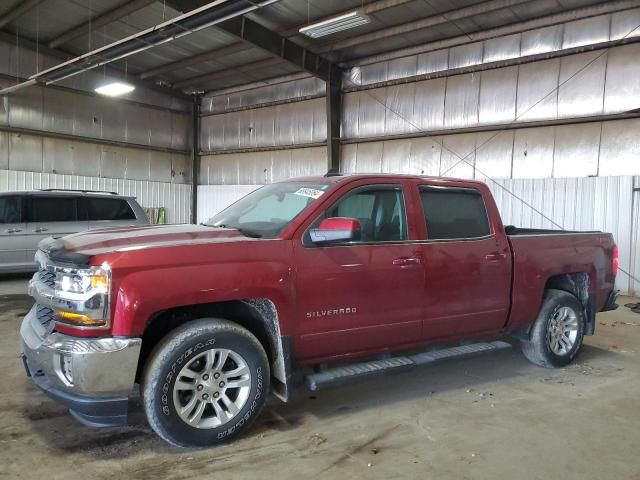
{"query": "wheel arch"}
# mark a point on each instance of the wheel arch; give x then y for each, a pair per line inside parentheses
(577, 284)
(258, 315)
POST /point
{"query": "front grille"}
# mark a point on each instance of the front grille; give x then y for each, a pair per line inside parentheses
(47, 277)
(45, 316)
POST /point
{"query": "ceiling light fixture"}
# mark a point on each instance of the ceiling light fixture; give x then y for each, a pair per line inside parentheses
(115, 89)
(336, 24)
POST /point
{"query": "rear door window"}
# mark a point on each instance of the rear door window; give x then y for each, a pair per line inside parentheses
(109, 209)
(454, 213)
(53, 209)
(11, 209)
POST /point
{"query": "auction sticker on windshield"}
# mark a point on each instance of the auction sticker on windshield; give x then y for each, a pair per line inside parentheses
(309, 192)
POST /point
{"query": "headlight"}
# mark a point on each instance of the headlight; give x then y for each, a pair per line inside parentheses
(83, 281)
(82, 296)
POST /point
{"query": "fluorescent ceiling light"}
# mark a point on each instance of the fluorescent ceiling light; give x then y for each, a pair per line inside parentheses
(336, 24)
(115, 89)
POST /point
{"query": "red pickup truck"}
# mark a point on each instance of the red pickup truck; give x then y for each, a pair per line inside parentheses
(210, 319)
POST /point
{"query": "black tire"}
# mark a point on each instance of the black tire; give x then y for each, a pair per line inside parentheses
(184, 346)
(537, 349)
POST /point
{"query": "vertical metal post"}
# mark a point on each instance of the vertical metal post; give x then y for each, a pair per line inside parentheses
(195, 156)
(334, 116)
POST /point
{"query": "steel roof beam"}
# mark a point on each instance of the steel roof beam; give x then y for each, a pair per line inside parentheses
(434, 20)
(111, 16)
(227, 72)
(18, 11)
(201, 57)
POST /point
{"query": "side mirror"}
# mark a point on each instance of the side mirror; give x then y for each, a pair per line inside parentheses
(336, 229)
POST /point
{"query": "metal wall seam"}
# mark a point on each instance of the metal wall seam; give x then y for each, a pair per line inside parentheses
(174, 197)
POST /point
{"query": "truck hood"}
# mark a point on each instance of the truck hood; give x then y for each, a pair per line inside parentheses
(109, 240)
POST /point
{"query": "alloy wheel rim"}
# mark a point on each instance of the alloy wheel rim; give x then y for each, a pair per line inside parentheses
(562, 331)
(212, 388)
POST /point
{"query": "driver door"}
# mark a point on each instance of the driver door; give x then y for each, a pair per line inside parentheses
(364, 295)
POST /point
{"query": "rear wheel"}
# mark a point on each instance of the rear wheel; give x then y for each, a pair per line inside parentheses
(557, 334)
(205, 383)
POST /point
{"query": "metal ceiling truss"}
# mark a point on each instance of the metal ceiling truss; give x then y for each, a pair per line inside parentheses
(198, 19)
(18, 11)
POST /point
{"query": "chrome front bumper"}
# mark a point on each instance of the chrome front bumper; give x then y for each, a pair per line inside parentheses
(92, 376)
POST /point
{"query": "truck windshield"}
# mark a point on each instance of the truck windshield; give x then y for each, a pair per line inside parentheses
(266, 212)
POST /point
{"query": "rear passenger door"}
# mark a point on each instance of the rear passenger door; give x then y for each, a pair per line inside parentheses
(13, 228)
(467, 266)
(109, 212)
(53, 215)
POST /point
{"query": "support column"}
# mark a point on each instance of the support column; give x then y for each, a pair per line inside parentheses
(334, 117)
(195, 156)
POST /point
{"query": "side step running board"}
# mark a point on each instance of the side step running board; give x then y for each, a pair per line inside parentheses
(316, 381)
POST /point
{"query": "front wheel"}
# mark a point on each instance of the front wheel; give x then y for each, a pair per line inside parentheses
(557, 334)
(205, 383)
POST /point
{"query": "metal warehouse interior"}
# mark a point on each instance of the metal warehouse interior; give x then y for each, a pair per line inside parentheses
(538, 98)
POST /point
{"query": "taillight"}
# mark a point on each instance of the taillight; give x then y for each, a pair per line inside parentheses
(615, 261)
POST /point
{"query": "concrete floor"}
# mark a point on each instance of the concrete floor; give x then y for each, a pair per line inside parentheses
(488, 417)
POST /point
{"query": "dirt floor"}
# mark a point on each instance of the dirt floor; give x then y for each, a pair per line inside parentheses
(488, 417)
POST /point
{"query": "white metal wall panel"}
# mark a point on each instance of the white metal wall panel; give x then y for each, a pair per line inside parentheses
(213, 199)
(622, 89)
(598, 148)
(175, 197)
(537, 94)
(428, 104)
(4, 150)
(603, 203)
(498, 96)
(635, 242)
(554, 38)
(281, 125)
(568, 87)
(576, 150)
(494, 154)
(581, 87)
(620, 148)
(461, 103)
(269, 93)
(258, 168)
(533, 152)
(59, 156)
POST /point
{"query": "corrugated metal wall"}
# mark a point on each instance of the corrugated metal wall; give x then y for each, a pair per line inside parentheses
(605, 84)
(56, 137)
(532, 41)
(576, 150)
(175, 197)
(258, 168)
(602, 203)
(280, 125)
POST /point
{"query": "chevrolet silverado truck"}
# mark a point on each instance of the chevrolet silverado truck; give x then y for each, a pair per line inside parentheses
(320, 271)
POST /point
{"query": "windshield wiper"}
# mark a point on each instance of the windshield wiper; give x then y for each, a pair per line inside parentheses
(246, 233)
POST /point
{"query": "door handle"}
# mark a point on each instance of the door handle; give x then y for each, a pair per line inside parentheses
(14, 230)
(401, 261)
(38, 230)
(495, 256)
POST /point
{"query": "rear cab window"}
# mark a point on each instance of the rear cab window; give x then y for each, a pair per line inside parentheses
(108, 209)
(454, 213)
